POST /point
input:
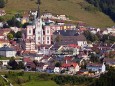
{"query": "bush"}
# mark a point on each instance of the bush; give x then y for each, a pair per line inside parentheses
(20, 80)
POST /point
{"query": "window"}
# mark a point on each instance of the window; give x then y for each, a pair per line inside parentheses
(38, 38)
(47, 38)
(47, 42)
(47, 31)
(29, 31)
(43, 38)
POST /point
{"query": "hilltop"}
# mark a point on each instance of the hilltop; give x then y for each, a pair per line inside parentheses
(78, 10)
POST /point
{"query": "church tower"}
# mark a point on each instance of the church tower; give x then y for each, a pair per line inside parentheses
(38, 27)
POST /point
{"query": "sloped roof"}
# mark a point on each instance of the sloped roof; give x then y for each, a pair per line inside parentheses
(6, 48)
(65, 32)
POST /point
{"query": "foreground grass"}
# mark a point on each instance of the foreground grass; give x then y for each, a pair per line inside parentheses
(69, 7)
(40, 83)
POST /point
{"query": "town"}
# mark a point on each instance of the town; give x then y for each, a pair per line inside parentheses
(48, 44)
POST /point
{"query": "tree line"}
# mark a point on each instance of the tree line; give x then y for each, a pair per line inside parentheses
(106, 6)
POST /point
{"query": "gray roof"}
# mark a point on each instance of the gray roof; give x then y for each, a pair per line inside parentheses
(66, 32)
(6, 48)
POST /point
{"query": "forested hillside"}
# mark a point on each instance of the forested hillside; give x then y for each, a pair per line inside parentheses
(106, 6)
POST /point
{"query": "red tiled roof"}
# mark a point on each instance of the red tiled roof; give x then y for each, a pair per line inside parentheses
(68, 58)
(69, 65)
(27, 60)
(73, 45)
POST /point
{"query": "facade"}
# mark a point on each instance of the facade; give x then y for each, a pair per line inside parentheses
(7, 52)
(96, 67)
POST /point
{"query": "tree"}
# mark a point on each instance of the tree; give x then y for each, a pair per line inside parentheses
(21, 65)
(93, 57)
(14, 22)
(18, 34)
(13, 64)
(10, 36)
(58, 38)
(1, 63)
(58, 64)
(2, 3)
(90, 37)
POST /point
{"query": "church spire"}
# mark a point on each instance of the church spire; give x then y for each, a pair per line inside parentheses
(38, 14)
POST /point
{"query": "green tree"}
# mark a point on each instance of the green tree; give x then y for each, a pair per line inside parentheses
(14, 22)
(10, 36)
(18, 34)
(2, 3)
(21, 65)
(58, 64)
(13, 64)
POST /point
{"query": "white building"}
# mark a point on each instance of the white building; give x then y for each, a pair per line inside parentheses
(7, 52)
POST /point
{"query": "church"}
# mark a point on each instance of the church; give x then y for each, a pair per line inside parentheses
(35, 34)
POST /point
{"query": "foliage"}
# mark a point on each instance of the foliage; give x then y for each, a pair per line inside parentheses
(20, 80)
(14, 65)
(58, 64)
(107, 79)
(14, 22)
(18, 34)
(21, 65)
(2, 3)
(90, 37)
(72, 80)
(107, 6)
(10, 36)
(94, 58)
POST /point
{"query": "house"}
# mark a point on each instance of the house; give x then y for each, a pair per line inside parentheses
(7, 51)
(4, 42)
(2, 12)
(26, 59)
(51, 68)
(56, 70)
(99, 68)
(109, 61)
(44, 49)
(30, 66)
(41, 67)
(45, 59)
(71, 67)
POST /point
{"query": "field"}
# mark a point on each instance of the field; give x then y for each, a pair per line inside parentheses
(71, 8)
(26, 79)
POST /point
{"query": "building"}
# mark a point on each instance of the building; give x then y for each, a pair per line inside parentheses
(70, 37)
(7, 51)
(99, 68)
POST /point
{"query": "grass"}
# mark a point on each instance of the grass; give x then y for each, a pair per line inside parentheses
(71, 8)
(40, 83)
(34, 81)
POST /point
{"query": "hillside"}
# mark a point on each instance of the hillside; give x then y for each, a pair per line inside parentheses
(74, 9)
(106, 6)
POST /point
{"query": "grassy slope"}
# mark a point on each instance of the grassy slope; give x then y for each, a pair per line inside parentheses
(40, 83)
(69, 7)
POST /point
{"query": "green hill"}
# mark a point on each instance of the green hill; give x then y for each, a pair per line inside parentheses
(79, 10)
